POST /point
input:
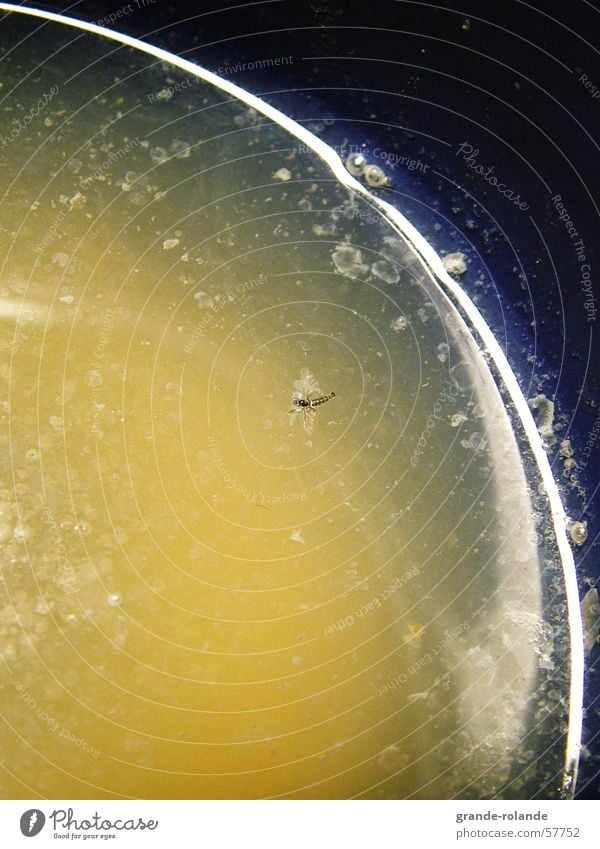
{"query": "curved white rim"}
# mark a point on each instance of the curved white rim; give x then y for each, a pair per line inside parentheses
(434, 264)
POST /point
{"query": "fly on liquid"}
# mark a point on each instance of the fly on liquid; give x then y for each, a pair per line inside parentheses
(303, 403)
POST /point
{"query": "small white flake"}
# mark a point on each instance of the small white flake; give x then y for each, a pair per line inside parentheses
(455, 264)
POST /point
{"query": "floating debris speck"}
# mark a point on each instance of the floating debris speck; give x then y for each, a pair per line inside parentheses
(544, 411)
(296, 536)
(399, 324)
(158, 155)
(455, 264)
(385, 271)
(204, 301)
(348, 261)
(78, 201)
(566, 449)
(181, 149)
(442, 352)
(375, 177)
(356, 164)
(590, 607)
(578, 532)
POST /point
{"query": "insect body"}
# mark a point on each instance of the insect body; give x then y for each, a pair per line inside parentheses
(303, 402)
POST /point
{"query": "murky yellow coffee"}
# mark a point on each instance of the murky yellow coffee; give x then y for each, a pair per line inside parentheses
(213, 586)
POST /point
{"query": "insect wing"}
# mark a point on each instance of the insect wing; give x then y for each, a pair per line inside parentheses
(304, 388)
(307, 385)
(308, 419)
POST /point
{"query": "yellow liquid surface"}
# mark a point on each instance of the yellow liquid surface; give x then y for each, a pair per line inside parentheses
(198, 589)
(201, 599)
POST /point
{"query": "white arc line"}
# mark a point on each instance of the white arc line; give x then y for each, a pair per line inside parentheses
(437, 271)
